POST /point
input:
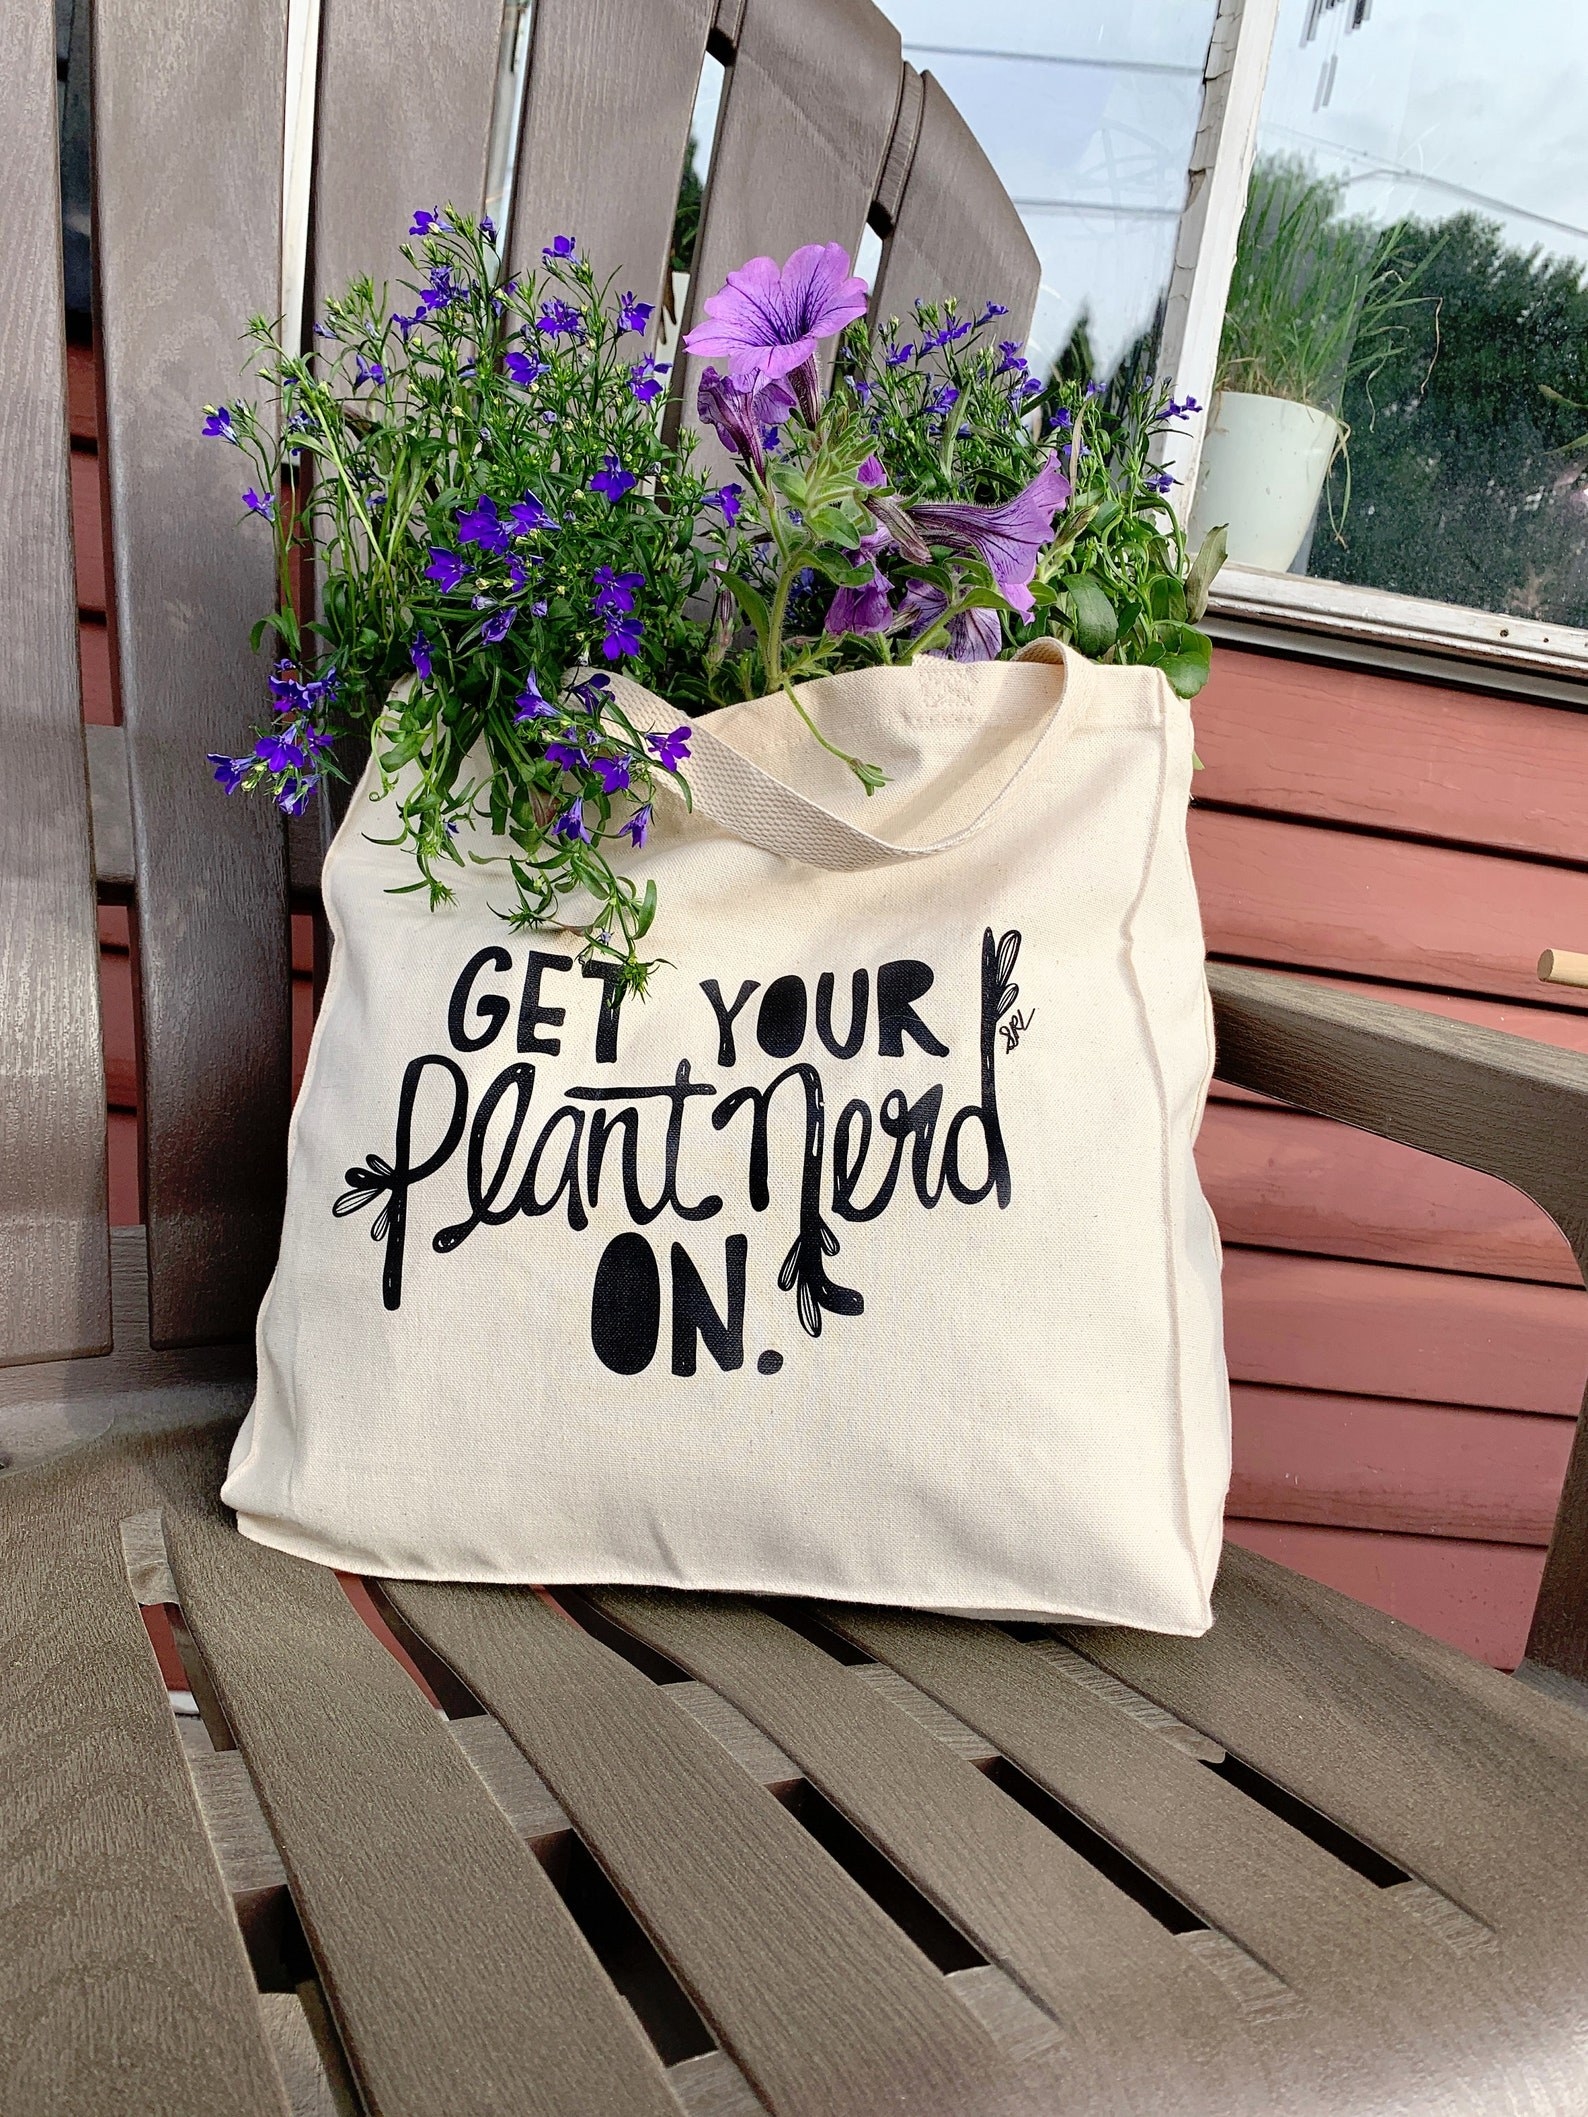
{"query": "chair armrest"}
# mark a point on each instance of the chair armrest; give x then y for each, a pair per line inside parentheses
(1503, 1104)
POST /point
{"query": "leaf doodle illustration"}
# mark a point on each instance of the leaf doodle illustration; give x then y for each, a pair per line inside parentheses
(1008, 955)
(803, 1269)
(366, 1185)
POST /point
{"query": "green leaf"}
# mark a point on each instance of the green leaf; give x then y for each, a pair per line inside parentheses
(1184, 655)
(645, 912)
(1211, 554)
(1096, 621)
(1166, 599)
(839, 567)
(751, 602)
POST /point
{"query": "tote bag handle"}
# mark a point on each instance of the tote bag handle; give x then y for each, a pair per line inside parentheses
(753, 806)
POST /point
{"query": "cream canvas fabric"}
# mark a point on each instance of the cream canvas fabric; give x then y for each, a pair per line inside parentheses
(864, 1258)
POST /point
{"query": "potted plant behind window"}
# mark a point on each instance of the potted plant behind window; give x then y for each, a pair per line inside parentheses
(1314, 302)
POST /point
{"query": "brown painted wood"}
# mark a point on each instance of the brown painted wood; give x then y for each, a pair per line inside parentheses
(1475, 1597)
(82, 393)
(606, 127)
(123, 1982)
(1305, 1455)
(1295, 894)
(955, 231)
(1007, 1882)
(88, 517)
(457, 1978)
(807, 113)
(93, 657)
(1280, 1180)
(808, 1986)
(1318, 739)
(54, 1263)
(402, 120)
(1386, 1331)
(186, 114)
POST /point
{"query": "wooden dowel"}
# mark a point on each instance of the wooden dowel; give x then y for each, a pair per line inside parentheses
(1559, 966)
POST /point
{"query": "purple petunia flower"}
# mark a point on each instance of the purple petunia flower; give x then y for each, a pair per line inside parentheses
(419, 654)
(638, 827)
(872, 473)
(613, 772)
(570, 824)
(498, 627)
(560, 246)
(973, 636)
(634, 315)
(482, 525)
(730, 498)
(424, 222)
(528, 515)
(863, 609)
(615, 591)
(742, 417)
(524, 368)
(446, 569)
(218, 423)
(531, 705)
(568, 755)
(768, 319)
(258, 504)
(670, 750)
(368, 371)
(613, 480)
(1007, 539)
(230, 771)
(559, 318)
(645, 379)
(623, 636)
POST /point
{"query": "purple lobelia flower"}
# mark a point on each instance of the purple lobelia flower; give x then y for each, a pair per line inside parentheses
(634, 315)
(612, 479)
(531, 705)
(524, 368)
(623, 636)
(424, 222)
(230, 771)
(973, 636)
(481, 524)
(742, 416)
(368, 371)
(259, 504)
(638, 827)
(560, 319)
(1007, 539)
(446, 569)
(670, 750)
(615, 591)
(592, 693)
(497, 626)
(218, 422)
(528, 515)
(560, 246)
(729, 498)
(863, 609)
(769, 319)
(568, 755)
(645, 379)
(570, 824)
(613, 773)
(280, 753)
(419, 654)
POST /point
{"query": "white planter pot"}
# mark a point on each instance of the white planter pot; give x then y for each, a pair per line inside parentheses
(1264, 460)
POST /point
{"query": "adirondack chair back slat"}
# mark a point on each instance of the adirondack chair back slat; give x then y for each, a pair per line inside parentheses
(54, 1255)
(402, 120)
(605, 129)
(954, 229)
(188, 183)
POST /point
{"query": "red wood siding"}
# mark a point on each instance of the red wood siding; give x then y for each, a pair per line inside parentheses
(1408, 1341)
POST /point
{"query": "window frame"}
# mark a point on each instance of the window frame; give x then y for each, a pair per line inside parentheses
(1360, 619)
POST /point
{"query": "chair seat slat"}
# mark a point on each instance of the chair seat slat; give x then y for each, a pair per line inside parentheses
(808, 1986)
(54, 1265)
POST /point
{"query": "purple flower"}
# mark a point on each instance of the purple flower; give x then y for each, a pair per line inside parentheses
(528, 515)
(670, 750)
(1013, 361)
(568, 755)
(560, 246)
(1063, 416)
(482, 525)
(863, 609)
(742, 416)
(993, 308)
(634, 315)
(441, 292)
(623, 636)
(1007, 539)
(1163, 482)
(424, 222)
(638, 827)
(570, 824)
(497, 627)
(592, 693)
(218, 422)
(524, 368)
(258, 504)
(558, 318)
(872, 473)
(446, 569)
(230, 771)
(613, 772)
(419, 655)
(488, 227)
(292, 801)
(945, 397)
(613, 480)
(530, 704)
(280, 753)
(406, 323)
(768, 320)
(973, 636)
(730, 498)
(1175, 411)
(645, 378)
(615, 591)
(900, 355)
(368, 371)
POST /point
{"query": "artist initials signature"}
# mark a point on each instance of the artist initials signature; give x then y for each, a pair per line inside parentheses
(1016, 1026)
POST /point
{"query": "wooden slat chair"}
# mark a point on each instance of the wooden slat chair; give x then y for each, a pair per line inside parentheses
(653, 1852)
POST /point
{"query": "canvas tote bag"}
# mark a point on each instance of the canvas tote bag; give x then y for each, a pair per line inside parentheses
(863, 1258)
